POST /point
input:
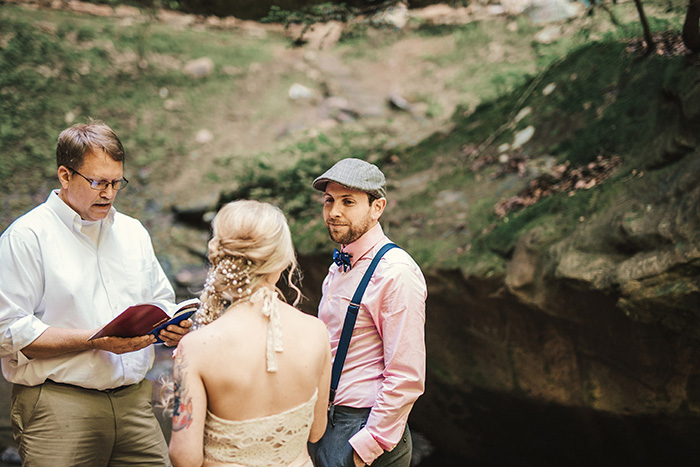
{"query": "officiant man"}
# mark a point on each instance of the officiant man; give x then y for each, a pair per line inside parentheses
(67, 267)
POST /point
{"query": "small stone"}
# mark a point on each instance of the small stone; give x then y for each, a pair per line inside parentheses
(523, 136)
(199, 68)
(549, 89)
(204, 136)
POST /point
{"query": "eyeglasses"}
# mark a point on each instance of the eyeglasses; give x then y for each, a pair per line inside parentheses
(100, 185)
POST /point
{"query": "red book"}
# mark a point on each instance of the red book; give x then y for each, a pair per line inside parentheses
(147, 318)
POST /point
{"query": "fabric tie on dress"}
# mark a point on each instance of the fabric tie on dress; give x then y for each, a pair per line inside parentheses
(274, 327)
(342, 259)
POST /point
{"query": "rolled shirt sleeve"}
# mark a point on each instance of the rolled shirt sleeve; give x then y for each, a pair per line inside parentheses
(20, 294)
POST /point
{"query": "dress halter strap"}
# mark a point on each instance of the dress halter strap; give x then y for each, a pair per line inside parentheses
(270, 309)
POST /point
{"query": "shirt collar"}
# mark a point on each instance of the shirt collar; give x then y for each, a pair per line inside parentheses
(71, 218)
(362, 245)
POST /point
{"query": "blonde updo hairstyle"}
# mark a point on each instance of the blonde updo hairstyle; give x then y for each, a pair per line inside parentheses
(253, 238)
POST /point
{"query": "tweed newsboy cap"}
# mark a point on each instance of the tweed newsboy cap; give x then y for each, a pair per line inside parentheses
(355, 174)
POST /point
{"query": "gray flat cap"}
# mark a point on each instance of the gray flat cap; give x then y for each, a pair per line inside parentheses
(355, 174)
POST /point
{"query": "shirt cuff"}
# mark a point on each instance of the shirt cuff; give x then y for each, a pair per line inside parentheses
(366, 446)
(20, 334)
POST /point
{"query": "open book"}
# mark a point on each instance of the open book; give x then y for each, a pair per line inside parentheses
(147, 318)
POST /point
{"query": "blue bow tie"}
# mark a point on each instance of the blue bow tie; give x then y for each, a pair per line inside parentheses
(342, 259)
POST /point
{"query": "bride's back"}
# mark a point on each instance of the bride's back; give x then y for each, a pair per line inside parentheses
(232, 361)
(252, 356)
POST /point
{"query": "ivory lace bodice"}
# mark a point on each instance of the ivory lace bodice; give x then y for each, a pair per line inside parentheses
(275, 440)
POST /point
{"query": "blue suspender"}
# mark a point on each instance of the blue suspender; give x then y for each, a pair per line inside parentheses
(350, 318)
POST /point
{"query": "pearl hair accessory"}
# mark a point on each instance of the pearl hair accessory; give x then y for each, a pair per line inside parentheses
(226, 284)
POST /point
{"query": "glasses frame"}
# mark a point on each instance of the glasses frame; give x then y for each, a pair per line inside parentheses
(97, 184)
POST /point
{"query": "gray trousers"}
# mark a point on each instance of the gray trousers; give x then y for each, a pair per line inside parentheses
(334, 450)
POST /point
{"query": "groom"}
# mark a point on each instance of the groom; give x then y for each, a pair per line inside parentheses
(384, 370)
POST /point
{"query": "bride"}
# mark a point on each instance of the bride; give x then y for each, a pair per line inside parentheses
(251, 383)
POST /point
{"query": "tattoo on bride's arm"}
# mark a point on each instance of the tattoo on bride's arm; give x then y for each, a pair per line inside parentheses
(182, 413)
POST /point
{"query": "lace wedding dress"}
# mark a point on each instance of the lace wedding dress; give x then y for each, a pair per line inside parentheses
(274, 440)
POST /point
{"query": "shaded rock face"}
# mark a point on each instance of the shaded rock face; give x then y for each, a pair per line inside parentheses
(643, 251)
(587, 351)
(577, 384)
(581, 384)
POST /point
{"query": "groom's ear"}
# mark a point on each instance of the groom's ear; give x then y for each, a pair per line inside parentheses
(377, 208)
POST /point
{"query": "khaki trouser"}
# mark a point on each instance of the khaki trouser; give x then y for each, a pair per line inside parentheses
(61, 425)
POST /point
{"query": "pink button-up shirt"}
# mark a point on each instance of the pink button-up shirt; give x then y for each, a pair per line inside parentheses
(385, 365)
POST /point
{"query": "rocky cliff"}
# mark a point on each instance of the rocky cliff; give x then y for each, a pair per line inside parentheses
(583, 349)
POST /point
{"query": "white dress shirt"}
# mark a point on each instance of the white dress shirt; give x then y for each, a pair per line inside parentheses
(53, 275)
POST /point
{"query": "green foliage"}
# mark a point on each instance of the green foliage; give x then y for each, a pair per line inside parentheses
(624, 113)
(439, 30)
(51, 77)
(594, 110)
(605, 102)
(28, 90)
(86, 33)
(308, 15)
(358, 19)
(291, 190)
